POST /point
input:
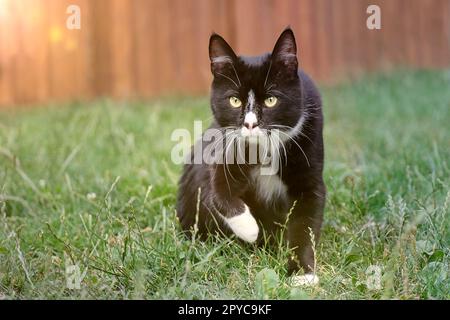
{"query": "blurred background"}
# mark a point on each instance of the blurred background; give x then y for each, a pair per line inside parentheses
(147, 48)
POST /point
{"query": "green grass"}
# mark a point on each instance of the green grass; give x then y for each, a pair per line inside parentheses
(387, 172)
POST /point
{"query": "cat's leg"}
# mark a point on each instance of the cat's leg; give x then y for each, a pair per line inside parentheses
(228, 186)
(303, 229)
(238, 218)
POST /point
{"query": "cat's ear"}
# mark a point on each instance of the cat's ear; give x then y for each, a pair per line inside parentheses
(221, 55)
(284, 54)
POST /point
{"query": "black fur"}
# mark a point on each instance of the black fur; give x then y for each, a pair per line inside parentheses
(225, 190)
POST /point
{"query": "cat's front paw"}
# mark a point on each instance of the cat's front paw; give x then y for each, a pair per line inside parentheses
(244, 226)
(308, 279)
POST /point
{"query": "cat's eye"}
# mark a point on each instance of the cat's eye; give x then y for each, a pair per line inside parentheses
(270, 102)
(235, 102)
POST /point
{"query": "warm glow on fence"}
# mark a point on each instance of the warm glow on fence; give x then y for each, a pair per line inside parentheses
(131, 48)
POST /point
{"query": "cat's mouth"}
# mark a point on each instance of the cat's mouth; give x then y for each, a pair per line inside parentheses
(253, 132)
(255, 136)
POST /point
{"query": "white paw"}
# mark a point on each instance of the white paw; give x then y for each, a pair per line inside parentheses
(244, 226)
(308, 279)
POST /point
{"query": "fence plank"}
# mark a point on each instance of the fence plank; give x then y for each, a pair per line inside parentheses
(7, 49)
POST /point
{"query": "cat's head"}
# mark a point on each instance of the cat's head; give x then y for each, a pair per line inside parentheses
(256, 94)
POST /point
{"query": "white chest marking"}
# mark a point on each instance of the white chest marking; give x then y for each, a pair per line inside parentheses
(269, 187)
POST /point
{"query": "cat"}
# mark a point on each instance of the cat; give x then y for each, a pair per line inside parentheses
(258, 97)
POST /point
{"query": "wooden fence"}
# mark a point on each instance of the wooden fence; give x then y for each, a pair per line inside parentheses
(141, 48)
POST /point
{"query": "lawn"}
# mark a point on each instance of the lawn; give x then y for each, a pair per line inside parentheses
(89, 189)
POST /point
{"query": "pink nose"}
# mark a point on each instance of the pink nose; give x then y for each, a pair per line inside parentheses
(250, 120)
(250, 125)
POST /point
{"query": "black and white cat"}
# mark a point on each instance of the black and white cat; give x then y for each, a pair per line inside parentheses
(264, 96)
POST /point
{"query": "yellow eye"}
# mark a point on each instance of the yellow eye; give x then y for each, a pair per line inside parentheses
(270, 102)
(235, 102)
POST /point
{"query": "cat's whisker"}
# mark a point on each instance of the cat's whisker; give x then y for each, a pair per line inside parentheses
(227, 146)
(221, 74)
(280, 142)
(280, 93)
(280, 162)
(301, 149)
(226, 178)
(267, 75)
(304, 135)
(266, 148)
(231, 143)
(271, 149)
(238, 142)
(289, 127)
(220, 141)
(236, 75)
(270, 87)
(236, 147)
(276, 152)
(279, 126)
(224, 165)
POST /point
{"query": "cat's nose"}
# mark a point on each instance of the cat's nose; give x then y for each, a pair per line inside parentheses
(250, 120)
(249, 125)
